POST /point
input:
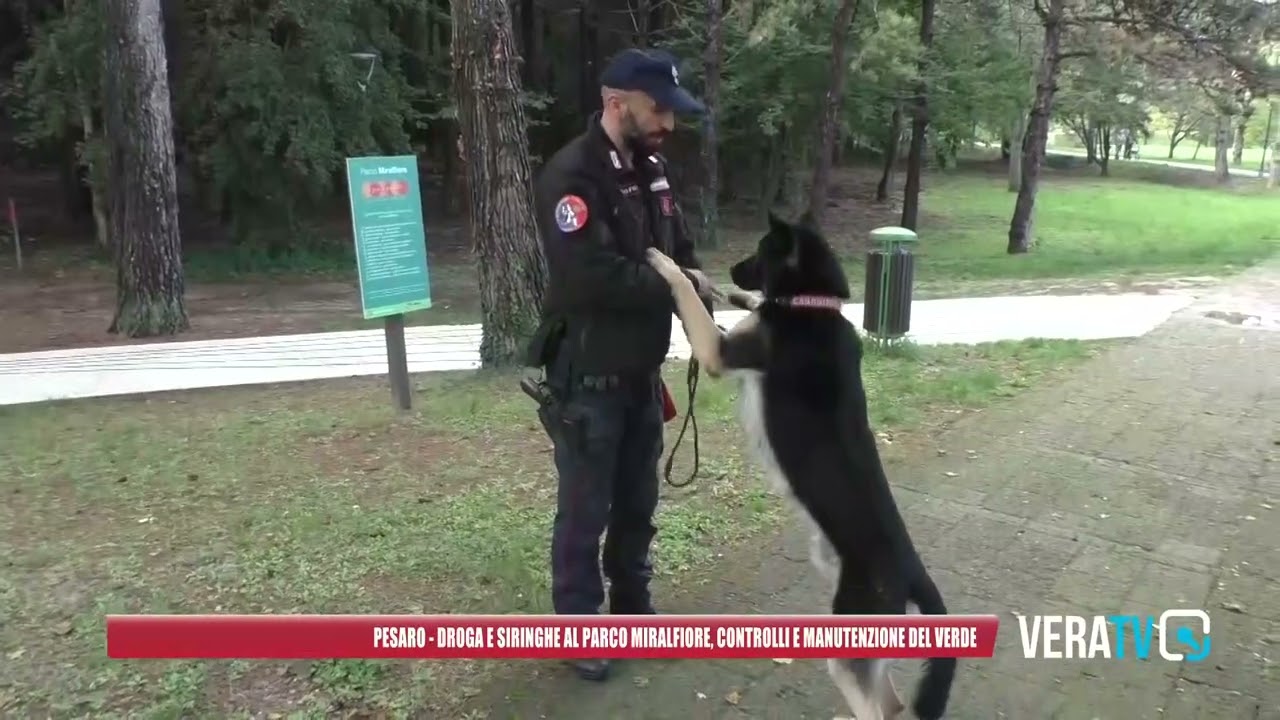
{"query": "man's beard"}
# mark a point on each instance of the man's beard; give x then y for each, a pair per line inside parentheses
(639, 138)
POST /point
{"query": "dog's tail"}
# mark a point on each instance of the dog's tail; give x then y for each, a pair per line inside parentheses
(935, 687)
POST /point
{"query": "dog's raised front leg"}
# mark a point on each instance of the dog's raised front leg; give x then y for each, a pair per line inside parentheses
(823, 556)
(890, 700)
(854, 678)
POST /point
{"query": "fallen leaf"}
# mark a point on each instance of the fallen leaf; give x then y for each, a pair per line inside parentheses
(951, 474)
(1233, 607)
(641, 682)
(17, 653)
(783, 661)
(733, 698)
(702, 696)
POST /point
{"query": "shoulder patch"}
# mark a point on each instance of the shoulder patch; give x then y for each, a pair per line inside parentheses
(571, 213)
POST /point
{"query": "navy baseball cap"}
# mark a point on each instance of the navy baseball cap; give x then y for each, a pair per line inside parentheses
(654, 73)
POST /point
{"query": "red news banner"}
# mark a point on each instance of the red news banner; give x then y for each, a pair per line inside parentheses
(294, 637)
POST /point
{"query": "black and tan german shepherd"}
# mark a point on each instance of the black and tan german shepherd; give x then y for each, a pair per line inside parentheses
(804, 409)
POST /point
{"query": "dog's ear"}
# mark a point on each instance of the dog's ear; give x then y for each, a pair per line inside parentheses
(778, 225)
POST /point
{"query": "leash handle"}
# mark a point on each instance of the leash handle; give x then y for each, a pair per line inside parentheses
(691, 382)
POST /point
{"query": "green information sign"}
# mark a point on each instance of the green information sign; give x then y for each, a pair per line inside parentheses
(391, 242)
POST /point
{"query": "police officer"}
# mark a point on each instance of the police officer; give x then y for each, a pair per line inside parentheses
(601, 201)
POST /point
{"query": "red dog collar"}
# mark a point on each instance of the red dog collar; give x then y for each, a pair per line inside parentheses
(817, 302)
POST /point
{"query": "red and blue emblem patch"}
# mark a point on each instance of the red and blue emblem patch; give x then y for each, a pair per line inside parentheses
(571, 213)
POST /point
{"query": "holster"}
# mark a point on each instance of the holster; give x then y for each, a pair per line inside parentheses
(541, 353)
(546, 341)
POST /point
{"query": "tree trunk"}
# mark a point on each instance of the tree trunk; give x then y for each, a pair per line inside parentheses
(1221, 147)
(1105, 163)
(528, 42)
(828, 124)
(1237, 151)
(1091, 143)
(1020, 239)
(891, 143)
(513, 270)
(1017, 136)
(141, 186)
(1196, 153)
(710, 154)
(588, 52)
(709, 150)
(93, 176)
(919, 124)
(1273, 180)
(771, 180)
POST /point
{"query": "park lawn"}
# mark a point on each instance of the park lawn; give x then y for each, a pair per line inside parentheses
(1093, 227)
(1157, 148)
(317, 497)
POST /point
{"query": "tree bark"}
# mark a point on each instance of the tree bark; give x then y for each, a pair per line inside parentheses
(142, 189)
(1104, 165)
(1273, 179)
(101, 228)
(891, 141)
(513, 270)
(919, 123)
(829, 123)
(1020, 239)
(1221, 148)
(1017, 137)
(711, 97)
(1237, 151)
(588, 53)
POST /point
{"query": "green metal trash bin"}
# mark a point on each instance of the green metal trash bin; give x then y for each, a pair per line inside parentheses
(890, 274)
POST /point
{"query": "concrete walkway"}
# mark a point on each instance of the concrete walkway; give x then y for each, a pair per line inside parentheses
(1148, 479)
(128, 369)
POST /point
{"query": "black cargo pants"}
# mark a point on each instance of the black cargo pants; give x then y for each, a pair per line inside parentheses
(607, 432)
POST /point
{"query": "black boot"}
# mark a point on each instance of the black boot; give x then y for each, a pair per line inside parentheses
(625, 606)
(590, 669)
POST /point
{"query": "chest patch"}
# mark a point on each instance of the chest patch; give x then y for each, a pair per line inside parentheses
(571, 213)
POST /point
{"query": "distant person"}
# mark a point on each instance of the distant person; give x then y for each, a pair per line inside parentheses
(601, 201)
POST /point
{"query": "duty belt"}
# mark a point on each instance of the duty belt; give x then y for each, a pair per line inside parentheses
(600, 383)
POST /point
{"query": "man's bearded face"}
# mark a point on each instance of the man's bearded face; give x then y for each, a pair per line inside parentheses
(646, 124)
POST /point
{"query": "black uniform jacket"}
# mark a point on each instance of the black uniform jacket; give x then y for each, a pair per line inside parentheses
(611, 311)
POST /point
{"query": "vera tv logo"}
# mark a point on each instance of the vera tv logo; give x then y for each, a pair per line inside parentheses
(1106, 636)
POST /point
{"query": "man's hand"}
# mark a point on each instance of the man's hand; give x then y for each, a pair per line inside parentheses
(701, 282)
(667, 268)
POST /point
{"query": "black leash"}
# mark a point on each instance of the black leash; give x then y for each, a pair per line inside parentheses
(691, 382)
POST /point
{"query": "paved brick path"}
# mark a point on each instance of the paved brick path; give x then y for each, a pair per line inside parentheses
(1149, 479)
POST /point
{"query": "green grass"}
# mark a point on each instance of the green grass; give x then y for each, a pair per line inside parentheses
(1095, 227)
(317, 498)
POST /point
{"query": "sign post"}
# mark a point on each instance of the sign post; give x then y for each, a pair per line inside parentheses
(391, 252)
